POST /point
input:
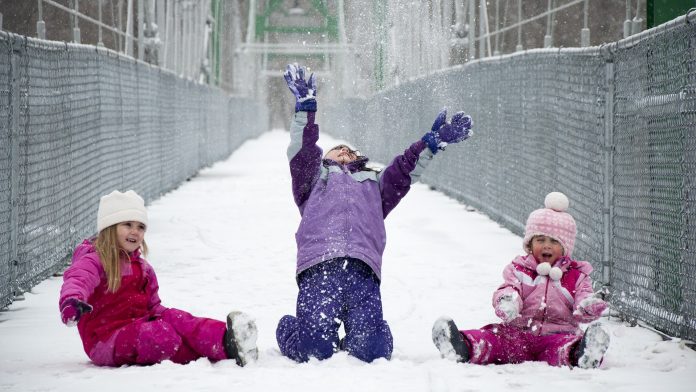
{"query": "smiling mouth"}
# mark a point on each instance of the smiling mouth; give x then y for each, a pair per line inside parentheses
(546, 255)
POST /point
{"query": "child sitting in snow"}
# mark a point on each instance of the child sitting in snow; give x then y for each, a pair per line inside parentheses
(545, 296)
(110, 292)
(341, 236)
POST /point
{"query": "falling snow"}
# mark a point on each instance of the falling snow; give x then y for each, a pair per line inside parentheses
(225, 241)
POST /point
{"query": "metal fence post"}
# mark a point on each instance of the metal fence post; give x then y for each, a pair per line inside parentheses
(129, 28)
(76, 28)
(548, 38)
(518, 48)
(14, 174)
(627, 24)
(40, 24)
(140, 20)
(585, 32)
(608, 210)
(100, 41)
(472, 31)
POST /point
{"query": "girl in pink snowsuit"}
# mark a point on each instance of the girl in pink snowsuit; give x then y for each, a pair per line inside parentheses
(545, 296)
(110, 292)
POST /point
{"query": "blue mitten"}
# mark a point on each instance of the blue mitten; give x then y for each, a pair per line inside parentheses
(305, 92)
(443, 133)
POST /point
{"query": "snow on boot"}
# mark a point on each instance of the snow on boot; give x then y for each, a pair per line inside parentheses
(592, 347)
(240, 338)
(449, 340)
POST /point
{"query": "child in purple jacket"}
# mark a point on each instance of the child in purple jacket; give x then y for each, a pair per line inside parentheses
(110, 292)
(545, 296)
(341, 236)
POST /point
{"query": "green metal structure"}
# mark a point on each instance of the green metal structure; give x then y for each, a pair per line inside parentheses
(264, 24)
(661, 11)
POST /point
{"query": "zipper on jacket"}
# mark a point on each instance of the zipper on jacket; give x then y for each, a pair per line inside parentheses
(546, 305)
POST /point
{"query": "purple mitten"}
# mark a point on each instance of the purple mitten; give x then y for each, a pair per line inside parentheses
(72, 309)
(305, 92)
(442, 133)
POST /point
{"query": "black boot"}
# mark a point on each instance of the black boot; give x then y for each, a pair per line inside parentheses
(449, 340)
(590, 350)
(240, 338)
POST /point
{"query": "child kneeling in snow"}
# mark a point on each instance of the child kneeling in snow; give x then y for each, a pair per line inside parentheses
(341, 237)
(110, 292)
(545, 296)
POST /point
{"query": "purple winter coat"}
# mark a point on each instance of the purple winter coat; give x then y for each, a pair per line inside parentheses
(548, 306)
(343, 206)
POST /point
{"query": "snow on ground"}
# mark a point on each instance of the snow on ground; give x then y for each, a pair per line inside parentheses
(225, 240)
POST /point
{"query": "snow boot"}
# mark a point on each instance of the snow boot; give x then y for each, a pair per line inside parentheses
(591, 349)
(240, 338)
(449, 340)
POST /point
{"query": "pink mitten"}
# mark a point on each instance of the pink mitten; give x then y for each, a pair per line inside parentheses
(508, 307)
(589, 309)
(72, 309)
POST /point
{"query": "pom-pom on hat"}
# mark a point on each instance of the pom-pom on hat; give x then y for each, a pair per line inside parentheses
(117, 207)
(552, 221)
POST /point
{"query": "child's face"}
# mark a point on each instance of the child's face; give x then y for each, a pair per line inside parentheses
(341, 154)
(546, 249)
(130, 235)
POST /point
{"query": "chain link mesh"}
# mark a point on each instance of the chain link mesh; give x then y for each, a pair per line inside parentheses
(613, 127)
(78, 122)
(654, 191)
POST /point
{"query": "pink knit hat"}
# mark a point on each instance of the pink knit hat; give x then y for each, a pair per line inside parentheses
(553, 222)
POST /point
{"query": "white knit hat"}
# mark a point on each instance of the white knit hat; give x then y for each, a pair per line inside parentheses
(117, 207)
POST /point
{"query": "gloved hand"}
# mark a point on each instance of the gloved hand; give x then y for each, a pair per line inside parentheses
(305, 92)
(589, 309)
(443, 133)
(72, 309)
(508, 306)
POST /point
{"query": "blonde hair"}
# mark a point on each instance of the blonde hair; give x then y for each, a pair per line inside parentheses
(110, 254)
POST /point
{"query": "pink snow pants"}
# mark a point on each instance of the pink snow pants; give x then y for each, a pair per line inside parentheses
(177, 336)
(500, 343)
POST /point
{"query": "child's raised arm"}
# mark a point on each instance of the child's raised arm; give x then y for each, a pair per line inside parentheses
(303, 153)
(396, 179)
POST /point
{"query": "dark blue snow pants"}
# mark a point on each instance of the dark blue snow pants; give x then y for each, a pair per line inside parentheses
(335, 291)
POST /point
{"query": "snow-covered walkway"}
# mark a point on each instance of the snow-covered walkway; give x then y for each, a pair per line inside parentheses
(225, 240)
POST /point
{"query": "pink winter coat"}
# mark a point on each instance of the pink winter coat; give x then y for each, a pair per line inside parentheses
(547, 306)
(136, 300)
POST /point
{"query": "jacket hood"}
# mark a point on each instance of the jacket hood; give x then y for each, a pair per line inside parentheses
(86, 247)
(355, 166)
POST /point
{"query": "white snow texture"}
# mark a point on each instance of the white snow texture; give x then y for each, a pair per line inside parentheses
(225, 241)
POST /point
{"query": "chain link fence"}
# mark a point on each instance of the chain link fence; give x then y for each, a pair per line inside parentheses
(77, 122)
(613, 127)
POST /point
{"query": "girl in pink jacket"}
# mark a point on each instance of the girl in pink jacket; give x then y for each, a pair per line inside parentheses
(546, 295)
(110, 292)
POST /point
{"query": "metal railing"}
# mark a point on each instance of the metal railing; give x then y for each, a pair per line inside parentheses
(631, 25)
(173, 34)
